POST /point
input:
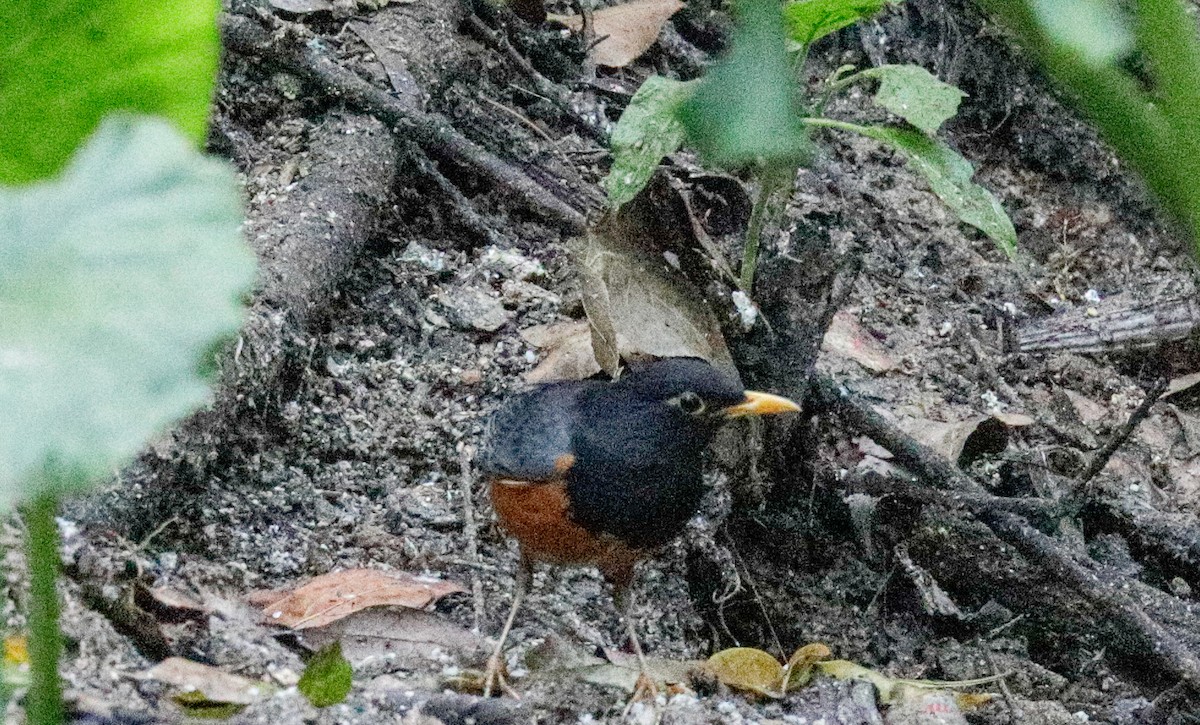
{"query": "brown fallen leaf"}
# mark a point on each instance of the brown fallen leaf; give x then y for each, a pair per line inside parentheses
(846, 338)
(924, 707)
(330, 597)
(212, 684)
(409, 638)
(637, 298)
(567, 350)
(1088, 410)
(624, 32)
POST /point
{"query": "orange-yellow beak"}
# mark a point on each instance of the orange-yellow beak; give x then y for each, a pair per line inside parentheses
(757, 403)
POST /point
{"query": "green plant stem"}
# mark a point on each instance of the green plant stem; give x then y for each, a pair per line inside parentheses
(43, 703)
(769, 182)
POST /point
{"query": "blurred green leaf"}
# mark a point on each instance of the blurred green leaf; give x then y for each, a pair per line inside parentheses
(114, 278)
(808, 21)
(949, 176)
(66, 64)
(916, 95)
(746, 109)
(1096, 30)
(327, 677)
(647, 131)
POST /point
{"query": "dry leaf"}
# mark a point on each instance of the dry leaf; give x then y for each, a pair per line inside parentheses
(301, 7)
(330, 597)
(409, 638)
(169, 605)
(212, 684)
(799, 669)
(749, 669)
(846, 338)
(963, 441)
(1181, 383)
(567, 350)
(1088, 410)
(624, 32)
(892, 690)
(623, 671)
(639, 302)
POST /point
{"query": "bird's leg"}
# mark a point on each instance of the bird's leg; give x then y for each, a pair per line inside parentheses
(645, 689)
(495, 664)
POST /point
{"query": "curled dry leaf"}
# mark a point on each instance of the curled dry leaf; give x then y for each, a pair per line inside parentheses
(846, 338)
(799, 670)
(966, 440)
(330, 597)
(638, 300)
(567, 351)
(624, 32)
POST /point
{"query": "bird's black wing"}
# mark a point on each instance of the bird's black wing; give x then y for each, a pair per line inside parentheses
(526, 437)
(637, 473)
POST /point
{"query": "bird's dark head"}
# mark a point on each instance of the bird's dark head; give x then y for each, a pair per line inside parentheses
(698, 389)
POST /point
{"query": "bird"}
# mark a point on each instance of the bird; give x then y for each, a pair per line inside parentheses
(605, 473)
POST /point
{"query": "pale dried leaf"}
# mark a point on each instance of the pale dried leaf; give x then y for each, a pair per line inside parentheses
(624, 32)
(567, 350)
(408, 638)
(301, 7)
(622, 671)
(640, 305)
(1088, 410)
(1181, 383)
(330, 597)
(846, 338)
(214, 684)
(981, 435)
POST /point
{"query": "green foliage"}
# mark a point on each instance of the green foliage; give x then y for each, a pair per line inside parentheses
(647, 131)
(949, 176)
(807, 21)
(915, 94)
(1152, 123)
(1093, 29)
(66, 64)
(327, 677)
(746, 109)
(113, 280)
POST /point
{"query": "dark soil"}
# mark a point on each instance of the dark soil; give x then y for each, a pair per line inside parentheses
(377, 346)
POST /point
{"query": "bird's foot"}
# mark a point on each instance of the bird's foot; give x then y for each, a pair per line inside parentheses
(645, 691)
(494, 678)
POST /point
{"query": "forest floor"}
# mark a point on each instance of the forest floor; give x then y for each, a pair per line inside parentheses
(400, 284)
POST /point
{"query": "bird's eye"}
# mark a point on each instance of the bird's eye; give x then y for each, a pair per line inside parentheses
(691, 403)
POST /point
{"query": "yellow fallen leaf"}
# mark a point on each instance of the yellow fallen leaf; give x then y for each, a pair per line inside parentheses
(749, 669)
(799, 670)
(16, 650)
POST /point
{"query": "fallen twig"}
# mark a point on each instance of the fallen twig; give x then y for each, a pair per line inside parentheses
(1107, 593)
(1101, 457)
(289, 48)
